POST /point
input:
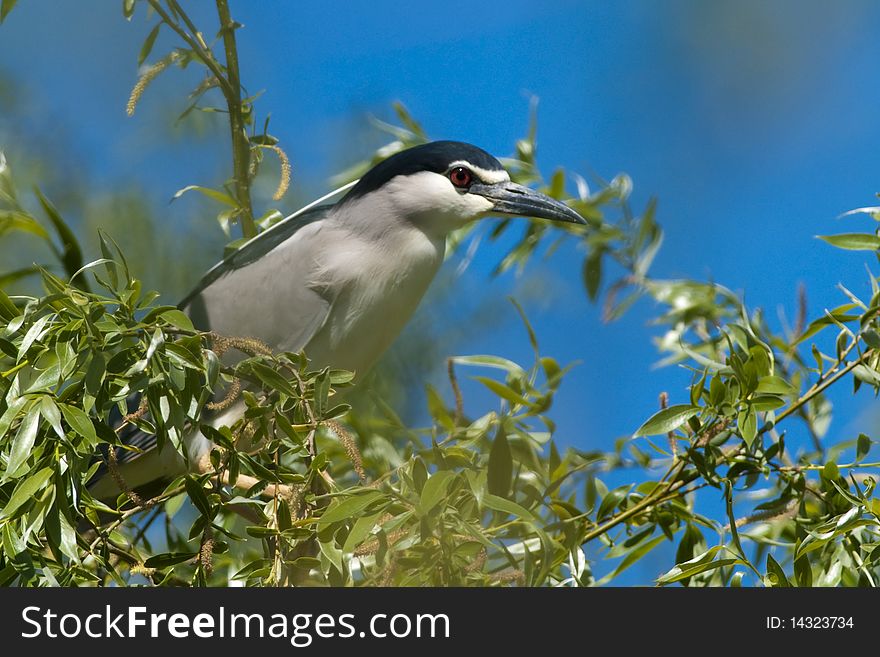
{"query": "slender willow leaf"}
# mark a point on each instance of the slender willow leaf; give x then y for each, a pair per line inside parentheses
(349, 506)
(80, 422)
(667, 420)
(434, 490)
(23, 443)
(500, 468)
(853, 241)
(169, 559)
(775, 574)
(71, 253)
(5, 7)
(25, 492)
(507, 506)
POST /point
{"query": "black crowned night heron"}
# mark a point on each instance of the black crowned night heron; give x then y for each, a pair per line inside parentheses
(340, 281)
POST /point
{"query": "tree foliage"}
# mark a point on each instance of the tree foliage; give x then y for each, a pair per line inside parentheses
(304, 490)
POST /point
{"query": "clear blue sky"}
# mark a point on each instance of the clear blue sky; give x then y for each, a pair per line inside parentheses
(744, 118)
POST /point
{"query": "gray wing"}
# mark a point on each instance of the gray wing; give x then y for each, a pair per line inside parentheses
(260, 291)
(267, 289)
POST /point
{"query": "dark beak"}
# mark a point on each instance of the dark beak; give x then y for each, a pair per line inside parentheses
(520, 201)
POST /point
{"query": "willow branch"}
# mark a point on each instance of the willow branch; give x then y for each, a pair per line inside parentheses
(241, 150)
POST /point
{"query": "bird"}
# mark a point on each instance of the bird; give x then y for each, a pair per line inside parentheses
(339, 281)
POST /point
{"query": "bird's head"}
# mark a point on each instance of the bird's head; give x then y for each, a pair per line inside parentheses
(445, 184)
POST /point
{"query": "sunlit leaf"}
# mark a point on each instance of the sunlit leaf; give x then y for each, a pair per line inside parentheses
(667, 420)
(853, 241)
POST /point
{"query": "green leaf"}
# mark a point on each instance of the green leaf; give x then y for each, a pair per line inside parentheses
(148, 44)
(18, 220)
(71, 253)
(491, 361)
(830, 471)
(115, 261)
(867, 375)
(504, 391)
(775, 385)
(863, 446)
(507, 506)
(747, 421)
(23, 444)
(766, 402)
(50, 411)
(360, 530)
(169, 559)
(717, 391)
(8, 309)
(533, 338)
(199, 497)
(332, 553)
(697, 565)
(80, 422)
(12, 411)
(632, 557)
(853, 241)
(25, 491)
(177, 319)
(67, 537)
(155, 342)
(612, 499)
(839, 314)
(775, 574)
(34, 333)
(258, 531)
(253, 569)
(667, 420)
(690, 540)
(274, 380)
(437, 407)
(434, 490)
(803, 572)
(215, 194)
(5, 7)
(593, 273)
(349, 506)
(871, 338)
(95, 374)
(500, 465)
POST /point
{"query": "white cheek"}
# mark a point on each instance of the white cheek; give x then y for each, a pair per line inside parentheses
(425, 195)
(473, 205)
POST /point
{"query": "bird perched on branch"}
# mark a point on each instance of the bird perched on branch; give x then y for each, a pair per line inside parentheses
(341, 281)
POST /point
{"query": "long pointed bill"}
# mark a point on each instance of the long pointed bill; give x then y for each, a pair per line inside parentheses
(520, 201)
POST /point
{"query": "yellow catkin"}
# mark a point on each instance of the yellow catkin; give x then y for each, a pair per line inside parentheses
(371, 546)
(140, 569)
(113, 466)
(349, 446)
(144, 81)
(220, 344)
(138, 414)
(284, 182)
(509, 575)
(231, 395)
(206, 551)
(477, 564)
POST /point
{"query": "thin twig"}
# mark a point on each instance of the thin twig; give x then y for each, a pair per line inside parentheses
(456, 391)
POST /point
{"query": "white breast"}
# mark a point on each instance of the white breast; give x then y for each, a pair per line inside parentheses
(377, 286)
(341, 288)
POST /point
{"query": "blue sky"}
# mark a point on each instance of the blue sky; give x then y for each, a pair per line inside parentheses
(745, 119)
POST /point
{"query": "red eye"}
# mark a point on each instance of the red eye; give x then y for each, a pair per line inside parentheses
(461, 177)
